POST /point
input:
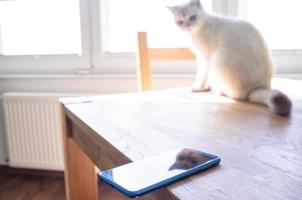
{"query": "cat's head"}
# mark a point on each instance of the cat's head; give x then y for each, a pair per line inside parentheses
(188, 16)
(187, 159)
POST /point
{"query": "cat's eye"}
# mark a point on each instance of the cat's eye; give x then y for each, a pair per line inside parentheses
(193, 18)
(193, 162)
(180, 22)
(181, 158)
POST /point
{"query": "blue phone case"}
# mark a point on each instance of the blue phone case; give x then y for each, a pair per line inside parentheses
(106, 176)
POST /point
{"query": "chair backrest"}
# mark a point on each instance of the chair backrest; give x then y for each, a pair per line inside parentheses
(146, 54)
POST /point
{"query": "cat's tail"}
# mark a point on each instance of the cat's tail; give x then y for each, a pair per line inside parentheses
(277, 101)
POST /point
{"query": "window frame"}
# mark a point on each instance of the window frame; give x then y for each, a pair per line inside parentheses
(55, 63)
(286, 61)
(95, 60)
(109, 62)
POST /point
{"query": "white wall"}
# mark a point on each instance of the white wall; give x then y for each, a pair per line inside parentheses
(98, 84)
(3, 152)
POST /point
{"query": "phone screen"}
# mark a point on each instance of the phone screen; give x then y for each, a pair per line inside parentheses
(142, 174)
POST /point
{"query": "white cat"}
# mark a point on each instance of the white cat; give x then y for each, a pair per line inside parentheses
(233, 57)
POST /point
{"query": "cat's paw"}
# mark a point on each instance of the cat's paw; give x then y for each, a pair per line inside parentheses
(202, 88)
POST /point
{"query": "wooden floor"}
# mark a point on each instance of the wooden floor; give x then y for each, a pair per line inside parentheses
(26, 187)
(23, 186)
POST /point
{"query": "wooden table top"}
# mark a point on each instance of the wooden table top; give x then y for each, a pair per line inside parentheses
(261, 152)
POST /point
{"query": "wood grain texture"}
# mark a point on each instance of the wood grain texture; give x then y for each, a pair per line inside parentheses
(80, 174)
(84, 150)
(27, 187)
(143, 63)
(166, 54)
(261, 152)
(145, 55)
(30, 172)
(39, 187)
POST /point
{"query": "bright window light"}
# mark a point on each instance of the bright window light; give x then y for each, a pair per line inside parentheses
(40, 27)
(123, 19)
(279, 21)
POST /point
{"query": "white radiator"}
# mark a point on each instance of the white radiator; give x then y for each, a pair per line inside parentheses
(33, 130)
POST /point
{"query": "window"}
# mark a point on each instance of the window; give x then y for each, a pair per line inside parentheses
(278, 21)
(36, 27)
(125, 18)
(99, 36)
(120, 20)
(280, 30)
(43, 36)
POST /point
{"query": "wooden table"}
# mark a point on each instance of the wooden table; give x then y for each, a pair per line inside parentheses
(261, 152)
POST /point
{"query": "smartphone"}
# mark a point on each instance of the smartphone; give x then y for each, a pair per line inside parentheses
(138, 178)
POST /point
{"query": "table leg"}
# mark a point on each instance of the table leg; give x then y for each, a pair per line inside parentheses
(80, 174)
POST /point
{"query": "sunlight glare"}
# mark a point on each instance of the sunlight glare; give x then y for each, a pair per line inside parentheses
(279, 21)
(125, 18)
(35, 27)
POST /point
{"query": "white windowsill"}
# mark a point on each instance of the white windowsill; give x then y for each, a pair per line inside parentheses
(108, 76)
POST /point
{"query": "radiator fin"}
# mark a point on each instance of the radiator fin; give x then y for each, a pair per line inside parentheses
(34, 131)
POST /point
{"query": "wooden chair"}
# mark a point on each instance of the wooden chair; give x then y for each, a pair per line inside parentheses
(146, 54)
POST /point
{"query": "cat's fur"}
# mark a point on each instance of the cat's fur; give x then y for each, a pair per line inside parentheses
(187, 159)
(233, 57)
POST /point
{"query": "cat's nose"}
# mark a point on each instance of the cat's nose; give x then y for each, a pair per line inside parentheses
(188, 26)
(189, 29)
(174, 166)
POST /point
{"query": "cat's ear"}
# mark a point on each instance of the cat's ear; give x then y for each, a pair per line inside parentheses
(171, 8)
(195, 2)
